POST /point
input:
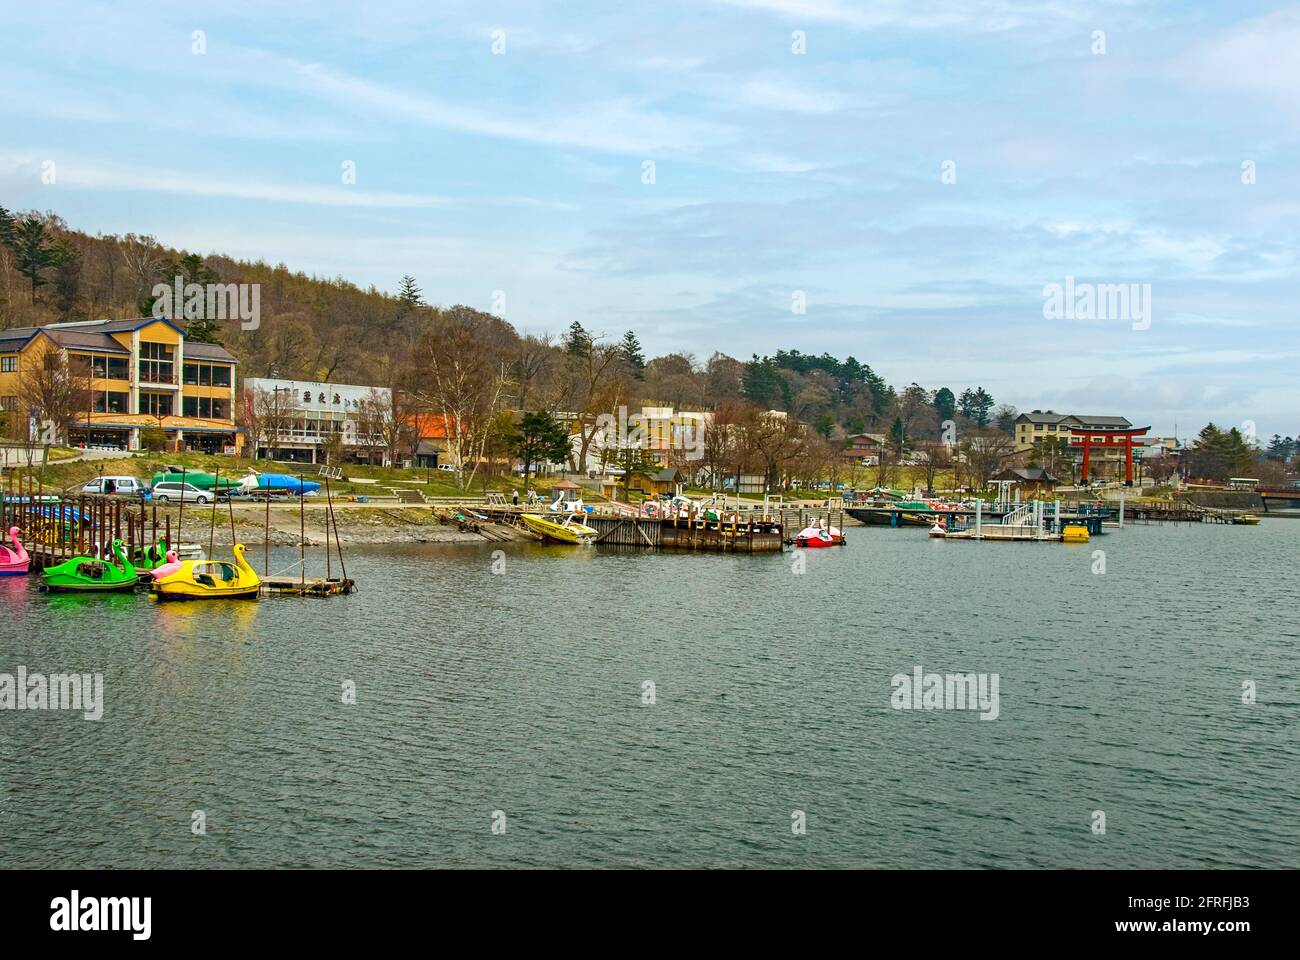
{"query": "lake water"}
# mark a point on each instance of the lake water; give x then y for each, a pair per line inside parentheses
(521, 693)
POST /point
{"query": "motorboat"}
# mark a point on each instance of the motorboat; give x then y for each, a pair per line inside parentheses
(569, 530)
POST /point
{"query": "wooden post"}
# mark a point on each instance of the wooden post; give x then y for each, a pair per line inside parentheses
(302, 539)
(329, 514)
(212, 529)
(266, 536)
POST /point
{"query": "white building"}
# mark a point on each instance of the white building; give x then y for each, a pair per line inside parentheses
(306, 415)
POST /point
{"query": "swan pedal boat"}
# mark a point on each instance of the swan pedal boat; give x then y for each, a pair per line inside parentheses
(208, 580)
(819, 537)
(566, 531)
(14, 561)
(146, 559)
(92, 574)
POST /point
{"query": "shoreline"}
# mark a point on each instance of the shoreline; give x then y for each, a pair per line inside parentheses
(355, 525)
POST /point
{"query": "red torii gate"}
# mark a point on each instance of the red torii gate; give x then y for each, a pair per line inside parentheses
(1107, 437)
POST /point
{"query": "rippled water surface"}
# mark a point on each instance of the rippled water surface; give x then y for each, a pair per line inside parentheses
(522, 692)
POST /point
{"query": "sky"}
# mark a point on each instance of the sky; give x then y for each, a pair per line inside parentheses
(900, 180)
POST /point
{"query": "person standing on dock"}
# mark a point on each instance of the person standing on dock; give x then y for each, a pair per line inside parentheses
(514, 496)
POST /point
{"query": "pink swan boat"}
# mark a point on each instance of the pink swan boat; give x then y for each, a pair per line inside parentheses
(167, 569)
(13, 561)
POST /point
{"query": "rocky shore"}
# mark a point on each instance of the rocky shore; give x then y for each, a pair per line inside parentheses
(355, 525)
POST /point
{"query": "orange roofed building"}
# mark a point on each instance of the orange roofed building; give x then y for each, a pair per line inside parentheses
(432, 431)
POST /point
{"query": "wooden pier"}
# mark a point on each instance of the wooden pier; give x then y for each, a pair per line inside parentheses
(735, 531)
(55, 527)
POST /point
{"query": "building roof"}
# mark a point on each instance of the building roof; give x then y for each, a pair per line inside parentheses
(207, 351)
(667, 475)
(1042, 416)
(1028, 475)
(1114, 423)
(1049, 417)
(433, 426)
(129, 325)
(96, 335)
(15, 338)
(427, 448)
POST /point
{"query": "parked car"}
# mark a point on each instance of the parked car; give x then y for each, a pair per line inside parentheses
(120, 486)
(184, 492)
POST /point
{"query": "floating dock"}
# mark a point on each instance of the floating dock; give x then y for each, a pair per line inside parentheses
(310, 587)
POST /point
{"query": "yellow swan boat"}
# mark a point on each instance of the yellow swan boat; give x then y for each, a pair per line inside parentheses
(568, 530)
(209, 580)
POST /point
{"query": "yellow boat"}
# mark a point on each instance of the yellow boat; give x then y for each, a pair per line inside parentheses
(1074, 533)
(1248, 518)
(568, 530)
(210, 580)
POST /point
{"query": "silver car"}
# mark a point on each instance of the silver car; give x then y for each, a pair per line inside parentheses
(182, 492)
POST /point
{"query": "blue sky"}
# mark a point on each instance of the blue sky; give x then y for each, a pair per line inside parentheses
(774, 172)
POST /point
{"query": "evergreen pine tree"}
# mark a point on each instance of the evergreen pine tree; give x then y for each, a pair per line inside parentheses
(630, 349)
(578, 342)
(410, 295)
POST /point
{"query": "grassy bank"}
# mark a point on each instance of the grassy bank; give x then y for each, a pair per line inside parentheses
(359, 480)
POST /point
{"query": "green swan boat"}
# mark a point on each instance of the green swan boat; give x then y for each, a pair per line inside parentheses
(91, 575)
(150, 558)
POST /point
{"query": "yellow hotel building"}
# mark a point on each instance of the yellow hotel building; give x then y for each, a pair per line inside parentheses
(142, 374)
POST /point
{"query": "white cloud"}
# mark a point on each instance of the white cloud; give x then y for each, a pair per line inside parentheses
(615, 126)
(79, 173)
(778, 96)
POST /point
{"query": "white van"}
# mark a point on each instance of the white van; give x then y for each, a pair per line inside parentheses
(121, 486)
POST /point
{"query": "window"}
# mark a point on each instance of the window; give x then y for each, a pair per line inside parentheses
(156, 363)
(112, 402)
(156, 404)
(104, 368)
(208, 407)
(207, 374)
(8, 403)
(9, 364)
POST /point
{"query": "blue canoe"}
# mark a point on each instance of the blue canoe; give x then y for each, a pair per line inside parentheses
(282, 481)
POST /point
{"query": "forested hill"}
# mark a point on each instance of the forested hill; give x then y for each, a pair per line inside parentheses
(329, 329)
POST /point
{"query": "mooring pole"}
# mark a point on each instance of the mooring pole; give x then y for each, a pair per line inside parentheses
(329, 506)
(302, 539)
(266, 536)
